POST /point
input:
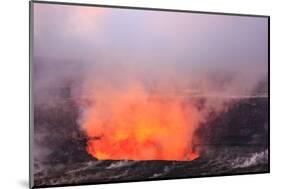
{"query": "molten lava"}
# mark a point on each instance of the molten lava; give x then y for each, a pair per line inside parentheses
(132, 124)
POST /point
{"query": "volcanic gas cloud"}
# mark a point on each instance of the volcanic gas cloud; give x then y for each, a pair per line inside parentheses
(131, 123)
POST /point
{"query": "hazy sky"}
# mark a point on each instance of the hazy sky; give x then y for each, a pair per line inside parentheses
(153, 45)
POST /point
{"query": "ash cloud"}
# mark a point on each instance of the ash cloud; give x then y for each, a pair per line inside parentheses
(76, 48)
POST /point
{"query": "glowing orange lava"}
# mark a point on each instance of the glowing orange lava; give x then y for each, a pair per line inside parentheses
(132, 124)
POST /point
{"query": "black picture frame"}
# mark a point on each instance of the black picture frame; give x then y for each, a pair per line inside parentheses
(31, 126)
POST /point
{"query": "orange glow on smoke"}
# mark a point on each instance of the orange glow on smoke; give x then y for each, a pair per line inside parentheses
(132, 124)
